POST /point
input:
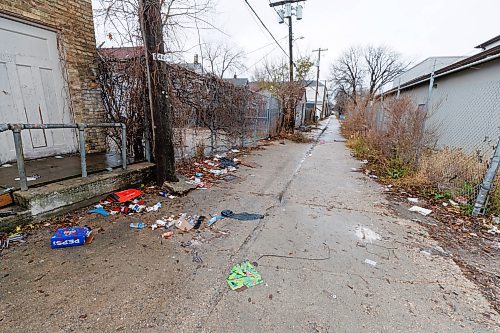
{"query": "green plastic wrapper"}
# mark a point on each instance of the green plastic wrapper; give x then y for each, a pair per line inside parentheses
(243, 275)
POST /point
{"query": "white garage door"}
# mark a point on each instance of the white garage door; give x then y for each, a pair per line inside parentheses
(32, 90)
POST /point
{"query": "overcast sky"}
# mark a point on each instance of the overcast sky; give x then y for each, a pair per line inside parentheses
(416, 29)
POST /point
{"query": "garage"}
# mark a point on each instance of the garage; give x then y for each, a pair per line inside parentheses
(33, 90)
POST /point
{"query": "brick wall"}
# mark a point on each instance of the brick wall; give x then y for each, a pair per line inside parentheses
(74, 23)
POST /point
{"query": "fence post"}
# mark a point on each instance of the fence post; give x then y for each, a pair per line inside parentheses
(268, 115)
(124, 147)
(489, 179)
(18, 142)
(83, 156)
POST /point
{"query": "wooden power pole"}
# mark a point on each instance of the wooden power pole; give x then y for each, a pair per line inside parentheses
(317, 81)
(161, 110)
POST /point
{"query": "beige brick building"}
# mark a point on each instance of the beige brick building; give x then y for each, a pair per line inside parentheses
(48, 74)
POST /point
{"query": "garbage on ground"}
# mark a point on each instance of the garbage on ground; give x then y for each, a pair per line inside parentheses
(413, 200)
(124, 196)
(370, 262)
(225, 163)
(215, 219)
(185, 222)
(100, 211)
(494, 230)
(420, 210)
(14, 238)
(6, 214)
(167, 234)
(243, 276)
(30, 178)
(453, 203)
(196, 256)
(69, 237)
(137, 225)
(6, 165)
(241, 216)
(59, 157)
(461, 200)
(154, 208)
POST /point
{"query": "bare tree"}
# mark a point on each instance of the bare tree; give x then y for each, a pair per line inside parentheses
(221, 58)
(348, 72)
(365, 71)
(119, 20)
(383, 65)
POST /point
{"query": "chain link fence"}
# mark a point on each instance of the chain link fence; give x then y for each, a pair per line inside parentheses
(448, 149)
(210, 114)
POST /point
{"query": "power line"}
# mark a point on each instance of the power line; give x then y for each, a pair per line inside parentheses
(261, 22)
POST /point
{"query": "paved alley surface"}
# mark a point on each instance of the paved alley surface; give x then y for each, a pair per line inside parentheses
(333, 257)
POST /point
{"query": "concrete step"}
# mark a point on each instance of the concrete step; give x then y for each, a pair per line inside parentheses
(22, 217)
(63, 196)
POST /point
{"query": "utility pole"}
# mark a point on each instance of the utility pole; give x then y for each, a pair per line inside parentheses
(317, 80)
(161, 110)
(287, 12)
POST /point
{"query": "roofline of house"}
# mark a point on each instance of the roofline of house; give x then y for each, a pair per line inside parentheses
(488, 42)
(484, 57)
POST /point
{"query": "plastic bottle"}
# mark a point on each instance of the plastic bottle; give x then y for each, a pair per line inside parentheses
(137, 225)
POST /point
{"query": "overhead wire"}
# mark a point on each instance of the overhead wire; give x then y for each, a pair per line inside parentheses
(265, 27)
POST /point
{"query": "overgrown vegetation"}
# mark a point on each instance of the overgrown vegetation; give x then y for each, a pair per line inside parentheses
(392, 137)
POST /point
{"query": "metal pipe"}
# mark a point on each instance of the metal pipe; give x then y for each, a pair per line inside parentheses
(18, 142)
(124, 147)
(83, 155)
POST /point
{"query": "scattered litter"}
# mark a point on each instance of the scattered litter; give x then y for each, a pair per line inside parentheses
(235, 150)
(196, 257)
(163, 194)
(124, 196)
(6, 165)
(30, 178)
(420, 210)
(109, 169)
(445, 204)
(59, 157)
(69, 237)
(461, 200)
(322, 142)
(186, 223)
(6, 241)
(364, 162)
(453, 203)
(366, 234)
(413, 200)
(214, 219)
(6, 214)
(370, 262)
(137, 225)
(154, 208)
(168, 234)
(354, 169)
(494, 230)
(241, 216)
(198, 223)
(100, 211)
(496, 220)
(243, 276)
(225, 163)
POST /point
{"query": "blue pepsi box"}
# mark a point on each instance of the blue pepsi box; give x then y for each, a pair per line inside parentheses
(68, 237)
